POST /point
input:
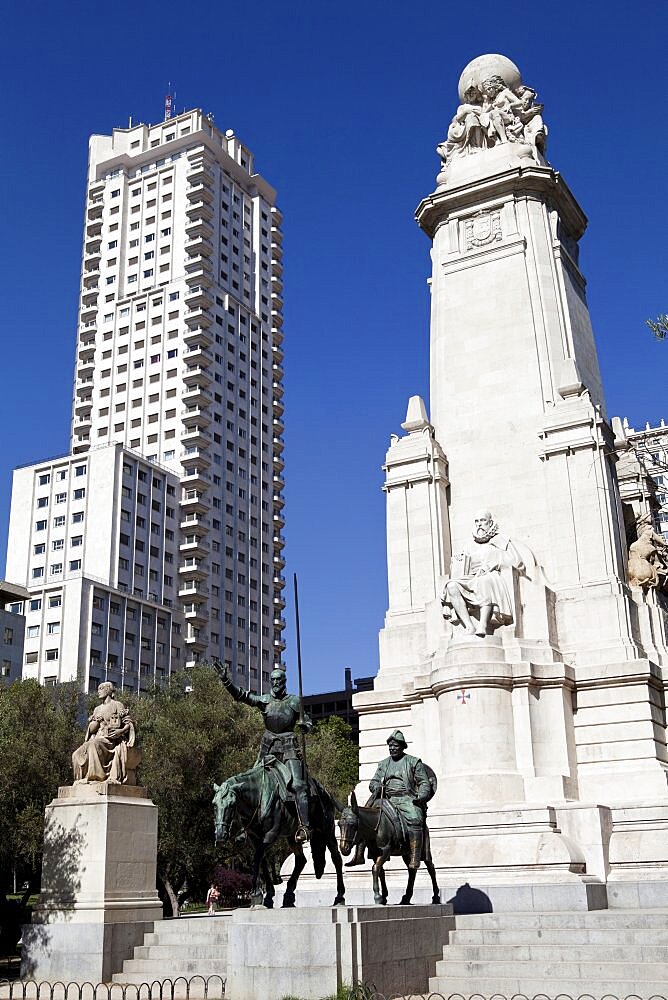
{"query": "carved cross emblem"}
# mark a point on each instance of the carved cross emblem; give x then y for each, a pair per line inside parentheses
(463, 697)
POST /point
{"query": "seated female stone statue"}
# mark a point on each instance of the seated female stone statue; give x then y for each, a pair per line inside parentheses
(108, 753)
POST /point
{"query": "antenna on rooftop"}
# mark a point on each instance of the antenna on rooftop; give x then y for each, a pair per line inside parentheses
(170, 102)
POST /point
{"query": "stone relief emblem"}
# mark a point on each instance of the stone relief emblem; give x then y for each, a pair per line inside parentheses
(496, 107)
(482, 229)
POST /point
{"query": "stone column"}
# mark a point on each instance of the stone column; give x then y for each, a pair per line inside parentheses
(98, 895)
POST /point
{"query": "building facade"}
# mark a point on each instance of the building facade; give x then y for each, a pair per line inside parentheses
(12, 630)
(651, 447)
(340, 703)
(178, 365)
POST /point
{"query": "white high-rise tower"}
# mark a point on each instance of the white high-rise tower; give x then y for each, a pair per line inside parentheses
(178, 379)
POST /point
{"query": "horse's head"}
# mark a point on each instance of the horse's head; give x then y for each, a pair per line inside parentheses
(348, 826)
(224, 802)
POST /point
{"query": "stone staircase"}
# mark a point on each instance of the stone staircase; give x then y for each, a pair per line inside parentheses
(187, 947)
(621, 952)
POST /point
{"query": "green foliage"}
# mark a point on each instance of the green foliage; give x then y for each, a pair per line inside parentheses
(659, 326)
(191, 734)
(333, 758)
(39, 729)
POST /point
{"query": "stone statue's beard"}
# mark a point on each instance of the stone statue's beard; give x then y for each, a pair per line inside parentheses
(483, 535)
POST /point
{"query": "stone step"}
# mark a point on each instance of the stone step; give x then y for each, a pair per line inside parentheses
(566, 951)
(549, 935)
(175, 965)
(584, 972)
(185, 940)
(532, 986)
(621, 919)
(200, 950)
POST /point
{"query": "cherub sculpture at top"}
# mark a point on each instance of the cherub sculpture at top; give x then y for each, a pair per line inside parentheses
(496, 108)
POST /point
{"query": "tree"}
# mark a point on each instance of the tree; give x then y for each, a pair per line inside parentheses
(333, 758)
(659, 326)
(39, 729)
(191, 734)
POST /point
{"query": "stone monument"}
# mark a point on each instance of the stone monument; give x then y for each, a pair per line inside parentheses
(98, 894)
(515, 656)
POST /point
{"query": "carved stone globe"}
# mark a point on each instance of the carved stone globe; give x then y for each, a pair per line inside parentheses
(482, 68)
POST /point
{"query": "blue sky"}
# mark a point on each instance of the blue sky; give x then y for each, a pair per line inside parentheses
(343, 105)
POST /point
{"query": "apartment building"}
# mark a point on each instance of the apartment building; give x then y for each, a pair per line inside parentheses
(12, 630)
(96, 539)
(651, 447)
(178, 370)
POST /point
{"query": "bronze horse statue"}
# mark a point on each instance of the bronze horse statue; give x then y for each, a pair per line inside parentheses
(251, 804)
(380, 831)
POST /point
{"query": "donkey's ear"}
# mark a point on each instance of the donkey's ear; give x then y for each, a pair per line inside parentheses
(353, 803)
(216, 787)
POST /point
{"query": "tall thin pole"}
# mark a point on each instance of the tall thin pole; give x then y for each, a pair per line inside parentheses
(299, 671)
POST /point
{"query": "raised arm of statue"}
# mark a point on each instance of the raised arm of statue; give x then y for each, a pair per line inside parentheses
(247, 697)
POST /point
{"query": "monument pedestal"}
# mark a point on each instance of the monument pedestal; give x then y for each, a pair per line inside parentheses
(98, 895)
(311, 952)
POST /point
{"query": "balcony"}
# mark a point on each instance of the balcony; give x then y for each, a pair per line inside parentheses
(279, 464)
(279, 644)
(279, 483)
(276, 336)
(94, 227)
(199, 227)
(86, 369)
(196, 416)
(276, 284)
(193, 545)
(196, 396)
(194, 590)
(193, 502)
(200, 173)
(197, 335)
(83, 424)
(279, 581)
(83, 405)
(276, 236)
(276, 303)
(278, 520)
(197, 297)
(276, 321)
(199, 190)
(278, 390)
(199, 276)
(92, 262)
(196, 354)
(193, 569)
(195, 523)
(198, 317)
(195, 614)
(196, 643)
(195, 437)
(279, 447)
(196, 375)
(95, 210)
(92, 246)
(279, 543)
(89, 296)
(195, 478)
(278, 502)
(88, 314)
(198, 261)
(278, 426)
(276, 251)
(279, 602)
(277, 406)
(199, 210)
(279, 562)
(276, 268)
(86, 353)
(199, 246)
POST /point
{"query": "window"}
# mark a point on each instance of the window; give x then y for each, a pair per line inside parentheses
(40, 525)
(37, 572)
(96, 629)
(44, 479)
(57, 544)
(31, 657)
(78, 517)
(42, 501)
(9, 635)
(56, 601)
(51, 654)
(98, 602)
(35, 604)
(76, 540)
(80, 470)
(75, 564)
(53, 628)
(39, 548)
(55, 568)
(80, 493)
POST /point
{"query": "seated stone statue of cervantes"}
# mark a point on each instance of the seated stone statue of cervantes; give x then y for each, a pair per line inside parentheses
(108, 752)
